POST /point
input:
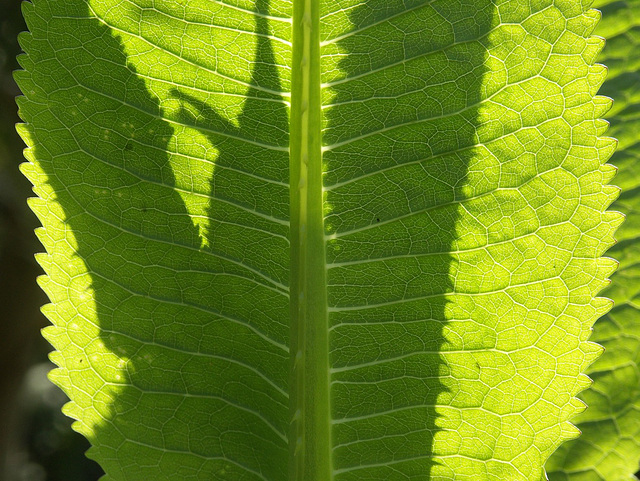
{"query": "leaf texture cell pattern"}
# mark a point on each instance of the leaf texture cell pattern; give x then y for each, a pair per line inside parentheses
(608, 449)
(335, 239)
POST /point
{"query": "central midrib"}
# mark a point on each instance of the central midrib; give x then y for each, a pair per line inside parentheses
(310, 435)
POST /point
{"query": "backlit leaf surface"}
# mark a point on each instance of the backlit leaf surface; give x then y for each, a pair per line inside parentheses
(438, 227)
(609, 447)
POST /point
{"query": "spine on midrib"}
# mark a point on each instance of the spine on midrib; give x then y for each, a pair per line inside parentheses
(310, 435)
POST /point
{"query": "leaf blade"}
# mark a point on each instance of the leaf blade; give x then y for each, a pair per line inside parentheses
(135, 259)
(607, 449)
(448, 232)
(178, 285)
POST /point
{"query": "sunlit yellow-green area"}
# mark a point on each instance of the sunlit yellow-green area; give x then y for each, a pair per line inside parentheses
(465, 214)
(609, 447)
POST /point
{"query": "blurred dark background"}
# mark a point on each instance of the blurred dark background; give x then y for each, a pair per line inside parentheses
(36, 442)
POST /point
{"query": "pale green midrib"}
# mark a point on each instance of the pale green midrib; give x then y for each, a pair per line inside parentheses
(310, 432)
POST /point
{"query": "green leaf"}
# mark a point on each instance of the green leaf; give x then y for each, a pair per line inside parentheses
(440, 243)
(609, 447)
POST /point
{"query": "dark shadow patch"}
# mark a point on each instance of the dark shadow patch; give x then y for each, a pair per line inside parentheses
(399, 146)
